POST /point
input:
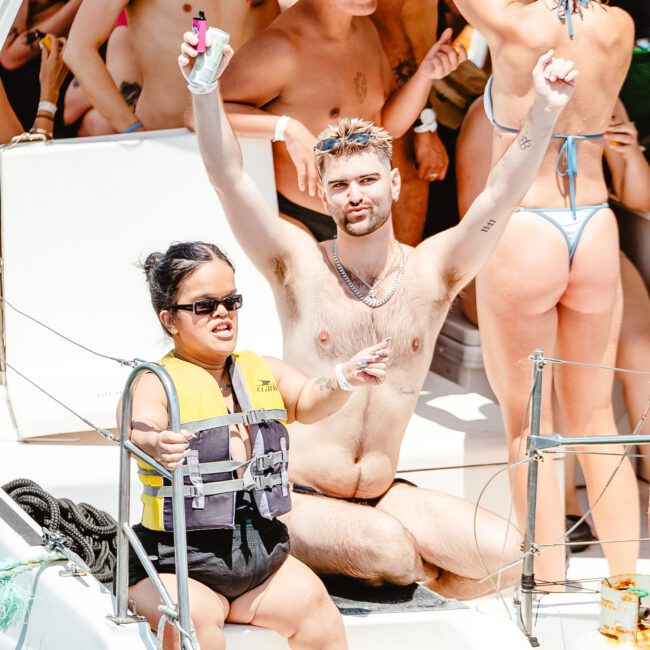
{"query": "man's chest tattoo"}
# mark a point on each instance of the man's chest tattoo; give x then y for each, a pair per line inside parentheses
(360, 86)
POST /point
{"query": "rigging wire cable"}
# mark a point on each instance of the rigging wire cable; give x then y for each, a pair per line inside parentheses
(123, 362)
(102, 432)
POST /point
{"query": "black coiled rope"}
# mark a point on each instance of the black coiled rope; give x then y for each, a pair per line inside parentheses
(92, 533)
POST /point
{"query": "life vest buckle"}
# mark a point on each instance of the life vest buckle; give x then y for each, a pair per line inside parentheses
(259, 416)
(264, 482)
(267, 461)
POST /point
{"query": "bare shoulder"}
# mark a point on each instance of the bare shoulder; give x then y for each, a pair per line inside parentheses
(271, 55)
(622, 19)
(149, 400)
(368, 30)
(150, 388)
(274, 364)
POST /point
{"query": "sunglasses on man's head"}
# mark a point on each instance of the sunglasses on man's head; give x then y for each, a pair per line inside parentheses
(330, 143)
(202, 307)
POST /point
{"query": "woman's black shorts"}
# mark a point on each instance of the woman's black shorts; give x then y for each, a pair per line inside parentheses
(230, 562)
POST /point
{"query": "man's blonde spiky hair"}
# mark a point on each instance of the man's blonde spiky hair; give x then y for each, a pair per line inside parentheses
(381, 142)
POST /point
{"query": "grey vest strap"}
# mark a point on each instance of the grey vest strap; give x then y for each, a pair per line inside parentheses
(248, 417)
(261, 463)
(219, 487)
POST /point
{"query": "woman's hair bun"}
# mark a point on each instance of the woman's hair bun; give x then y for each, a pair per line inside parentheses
(150, 263)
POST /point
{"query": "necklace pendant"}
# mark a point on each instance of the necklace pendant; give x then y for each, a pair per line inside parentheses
(373, 294)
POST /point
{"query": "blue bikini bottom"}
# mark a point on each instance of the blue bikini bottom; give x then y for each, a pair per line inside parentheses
(569, 222)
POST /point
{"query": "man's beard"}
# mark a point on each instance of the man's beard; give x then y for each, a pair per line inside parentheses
(377, 216)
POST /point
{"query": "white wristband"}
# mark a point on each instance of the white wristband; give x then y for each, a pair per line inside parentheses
(343, 383)
(428, 122)
(48, 107)
(198, 89)
(280, 126)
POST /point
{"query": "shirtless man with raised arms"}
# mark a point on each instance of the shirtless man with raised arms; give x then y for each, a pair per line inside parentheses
(350, 516)
(153, 27)
(557, 265)
(319, 61)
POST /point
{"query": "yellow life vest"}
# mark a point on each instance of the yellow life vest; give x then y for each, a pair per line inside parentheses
(209, 472)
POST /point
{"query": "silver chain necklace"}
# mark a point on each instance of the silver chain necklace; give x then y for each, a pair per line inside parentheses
(371, 298)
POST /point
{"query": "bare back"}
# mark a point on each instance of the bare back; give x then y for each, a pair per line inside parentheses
(600, 49)
(155, 26)
(355, 452)
(311, 77)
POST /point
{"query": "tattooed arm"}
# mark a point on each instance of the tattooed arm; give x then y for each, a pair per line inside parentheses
(460, 252)
(90, 30)
(22, 44)
(311, 400)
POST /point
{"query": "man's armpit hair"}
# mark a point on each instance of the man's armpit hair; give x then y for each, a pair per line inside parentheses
(452, 281)
(281, 272)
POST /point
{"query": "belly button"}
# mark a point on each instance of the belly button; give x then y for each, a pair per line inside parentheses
(335, 112)
(416, 344)
(187, 8)
(324, 338)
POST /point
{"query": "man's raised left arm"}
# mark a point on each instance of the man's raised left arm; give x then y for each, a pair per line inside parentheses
(461, 251)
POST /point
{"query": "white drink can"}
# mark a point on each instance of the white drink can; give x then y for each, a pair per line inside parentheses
(206, 66)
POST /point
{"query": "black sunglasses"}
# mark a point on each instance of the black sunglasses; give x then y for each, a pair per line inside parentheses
(202, 307)
(330, 143)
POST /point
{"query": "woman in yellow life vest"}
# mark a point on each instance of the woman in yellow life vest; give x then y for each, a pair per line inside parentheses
(233, 408)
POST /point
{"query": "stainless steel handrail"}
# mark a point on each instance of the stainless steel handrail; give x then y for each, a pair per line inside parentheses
(125, 534)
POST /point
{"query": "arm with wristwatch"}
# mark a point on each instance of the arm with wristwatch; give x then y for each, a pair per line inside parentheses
(430, 154)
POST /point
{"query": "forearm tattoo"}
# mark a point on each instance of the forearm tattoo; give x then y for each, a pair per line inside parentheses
(325, 383)
(525, 142)
(488, 225)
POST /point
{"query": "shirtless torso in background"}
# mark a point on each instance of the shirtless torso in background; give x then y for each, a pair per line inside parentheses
(316, 67)
(154, 28)
(320, 60)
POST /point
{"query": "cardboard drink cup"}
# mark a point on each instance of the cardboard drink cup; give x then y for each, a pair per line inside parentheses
(206, 66)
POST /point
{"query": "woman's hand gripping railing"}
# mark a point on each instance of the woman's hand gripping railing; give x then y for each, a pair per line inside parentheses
(178, 615)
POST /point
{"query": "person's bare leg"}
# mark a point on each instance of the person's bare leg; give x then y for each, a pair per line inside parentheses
(634, 345)
(589, 324)
(410, 212)
(294, 603)
(208, 611)
(570, 490)
(517, 293)
(443, 527)
(358, 541)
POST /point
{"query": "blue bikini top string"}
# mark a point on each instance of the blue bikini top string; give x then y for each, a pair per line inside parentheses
(564, 11)
(567, 157)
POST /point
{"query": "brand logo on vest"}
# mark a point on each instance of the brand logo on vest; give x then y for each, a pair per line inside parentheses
(266, 386)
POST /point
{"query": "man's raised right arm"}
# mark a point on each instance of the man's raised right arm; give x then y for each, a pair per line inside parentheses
(262, 234)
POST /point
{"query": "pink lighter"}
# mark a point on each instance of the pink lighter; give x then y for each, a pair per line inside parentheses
(198, 28)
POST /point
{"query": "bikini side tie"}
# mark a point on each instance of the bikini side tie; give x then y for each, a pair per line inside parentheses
(569, 152)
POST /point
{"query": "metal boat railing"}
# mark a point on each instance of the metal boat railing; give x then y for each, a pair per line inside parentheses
(178, 614)
(536, 444)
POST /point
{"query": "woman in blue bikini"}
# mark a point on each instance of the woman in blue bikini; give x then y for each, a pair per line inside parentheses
(554, 281)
